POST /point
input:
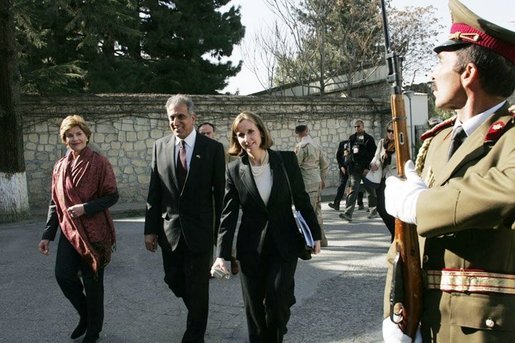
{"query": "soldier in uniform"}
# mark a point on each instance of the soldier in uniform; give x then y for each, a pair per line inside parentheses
(463, 202)
(314, 166)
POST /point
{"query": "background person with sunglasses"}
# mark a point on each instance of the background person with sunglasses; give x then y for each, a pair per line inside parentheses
(362, 149)
(385, 157)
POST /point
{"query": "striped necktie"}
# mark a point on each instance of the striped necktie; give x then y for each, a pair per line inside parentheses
(182, 165)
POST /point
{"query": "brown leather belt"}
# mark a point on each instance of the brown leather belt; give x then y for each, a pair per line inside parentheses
(474, 281)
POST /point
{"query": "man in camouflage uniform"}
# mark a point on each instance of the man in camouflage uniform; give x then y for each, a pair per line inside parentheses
(463, 202)
(313, 165)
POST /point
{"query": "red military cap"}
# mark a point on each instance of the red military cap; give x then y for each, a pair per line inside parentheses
(468, 28)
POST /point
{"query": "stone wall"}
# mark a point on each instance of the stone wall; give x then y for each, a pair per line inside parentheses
(125, 127)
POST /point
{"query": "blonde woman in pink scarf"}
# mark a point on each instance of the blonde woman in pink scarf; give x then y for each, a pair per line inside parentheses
(83, 188)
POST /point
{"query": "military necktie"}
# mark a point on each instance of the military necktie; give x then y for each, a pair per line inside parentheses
(458, 136)
(182, 166)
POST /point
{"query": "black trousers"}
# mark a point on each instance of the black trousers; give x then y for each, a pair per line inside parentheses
(69, 270)
(356, 176)
(187, 275)
(268, 284)
(340, 192)
(388, 220)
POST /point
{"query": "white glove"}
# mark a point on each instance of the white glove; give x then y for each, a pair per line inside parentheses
(401, 196)
(393, 334)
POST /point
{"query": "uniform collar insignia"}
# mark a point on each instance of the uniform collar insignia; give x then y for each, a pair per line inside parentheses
(494, 132)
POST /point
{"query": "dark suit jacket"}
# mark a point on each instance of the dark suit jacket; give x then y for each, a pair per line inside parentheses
(340, 156)
(194, 211)
(367, 149)
(241, 190)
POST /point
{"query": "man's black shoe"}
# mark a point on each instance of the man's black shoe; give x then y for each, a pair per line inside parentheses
(334, 206)
(80, 329)
(345, 216)
(90, 338)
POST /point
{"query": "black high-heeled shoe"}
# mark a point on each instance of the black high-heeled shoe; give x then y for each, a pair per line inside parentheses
(90, 338)
(80, 329)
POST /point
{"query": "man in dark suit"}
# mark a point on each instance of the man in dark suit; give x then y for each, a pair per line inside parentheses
(362, 148)
(341, 158)
(184, 205)
(341, 153)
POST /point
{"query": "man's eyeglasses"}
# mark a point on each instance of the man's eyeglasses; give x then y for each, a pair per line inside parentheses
(389, 131)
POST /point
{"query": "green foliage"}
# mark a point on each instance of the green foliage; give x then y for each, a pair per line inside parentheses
(126, 45)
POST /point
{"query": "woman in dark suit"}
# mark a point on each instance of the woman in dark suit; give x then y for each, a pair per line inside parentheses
(269, 243)
(83, 188)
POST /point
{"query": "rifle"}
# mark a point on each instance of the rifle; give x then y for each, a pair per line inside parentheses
(406, 288)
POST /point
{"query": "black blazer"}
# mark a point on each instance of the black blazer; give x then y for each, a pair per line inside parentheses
(195, 210)
(367, 151)
(340, 155)
(241, 191)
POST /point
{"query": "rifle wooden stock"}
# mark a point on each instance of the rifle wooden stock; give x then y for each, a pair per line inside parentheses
(406, 297)
(406, 238)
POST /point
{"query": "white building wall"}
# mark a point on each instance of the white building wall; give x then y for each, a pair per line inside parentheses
(417, 113)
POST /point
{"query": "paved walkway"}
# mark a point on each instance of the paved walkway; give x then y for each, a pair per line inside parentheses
(339, 292)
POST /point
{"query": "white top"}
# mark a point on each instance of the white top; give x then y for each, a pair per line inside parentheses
(263, 178)
(380, 155)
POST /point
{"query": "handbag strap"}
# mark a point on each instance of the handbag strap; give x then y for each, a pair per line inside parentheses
(287, 181)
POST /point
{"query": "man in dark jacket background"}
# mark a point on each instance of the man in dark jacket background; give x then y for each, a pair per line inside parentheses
(362, 148)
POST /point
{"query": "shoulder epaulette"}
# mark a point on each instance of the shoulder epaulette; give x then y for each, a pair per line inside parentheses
(497, 129)
(437, 128)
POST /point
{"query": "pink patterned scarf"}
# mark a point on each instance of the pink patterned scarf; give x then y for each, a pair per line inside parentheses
(78, 181)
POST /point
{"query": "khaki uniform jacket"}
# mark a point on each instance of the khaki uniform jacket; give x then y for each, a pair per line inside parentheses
(466, 221)
(313, 164)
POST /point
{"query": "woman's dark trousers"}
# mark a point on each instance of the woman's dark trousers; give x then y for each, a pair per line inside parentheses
(268, 292)
(388, 220)
(69, 270)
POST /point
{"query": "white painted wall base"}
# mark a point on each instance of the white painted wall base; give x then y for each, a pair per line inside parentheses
(14, 200)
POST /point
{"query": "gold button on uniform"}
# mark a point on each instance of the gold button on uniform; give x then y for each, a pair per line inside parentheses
(489, 323)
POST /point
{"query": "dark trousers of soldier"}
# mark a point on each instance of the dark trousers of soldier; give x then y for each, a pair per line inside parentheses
(69, 269)
(388, 220)
(355, 185)
(268, 284)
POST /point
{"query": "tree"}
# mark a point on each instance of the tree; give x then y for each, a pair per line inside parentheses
(13, 183)
(413, 32)
(327, 39)
(126, 45)
(185, 39)
(321, 43)
(63, 43)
